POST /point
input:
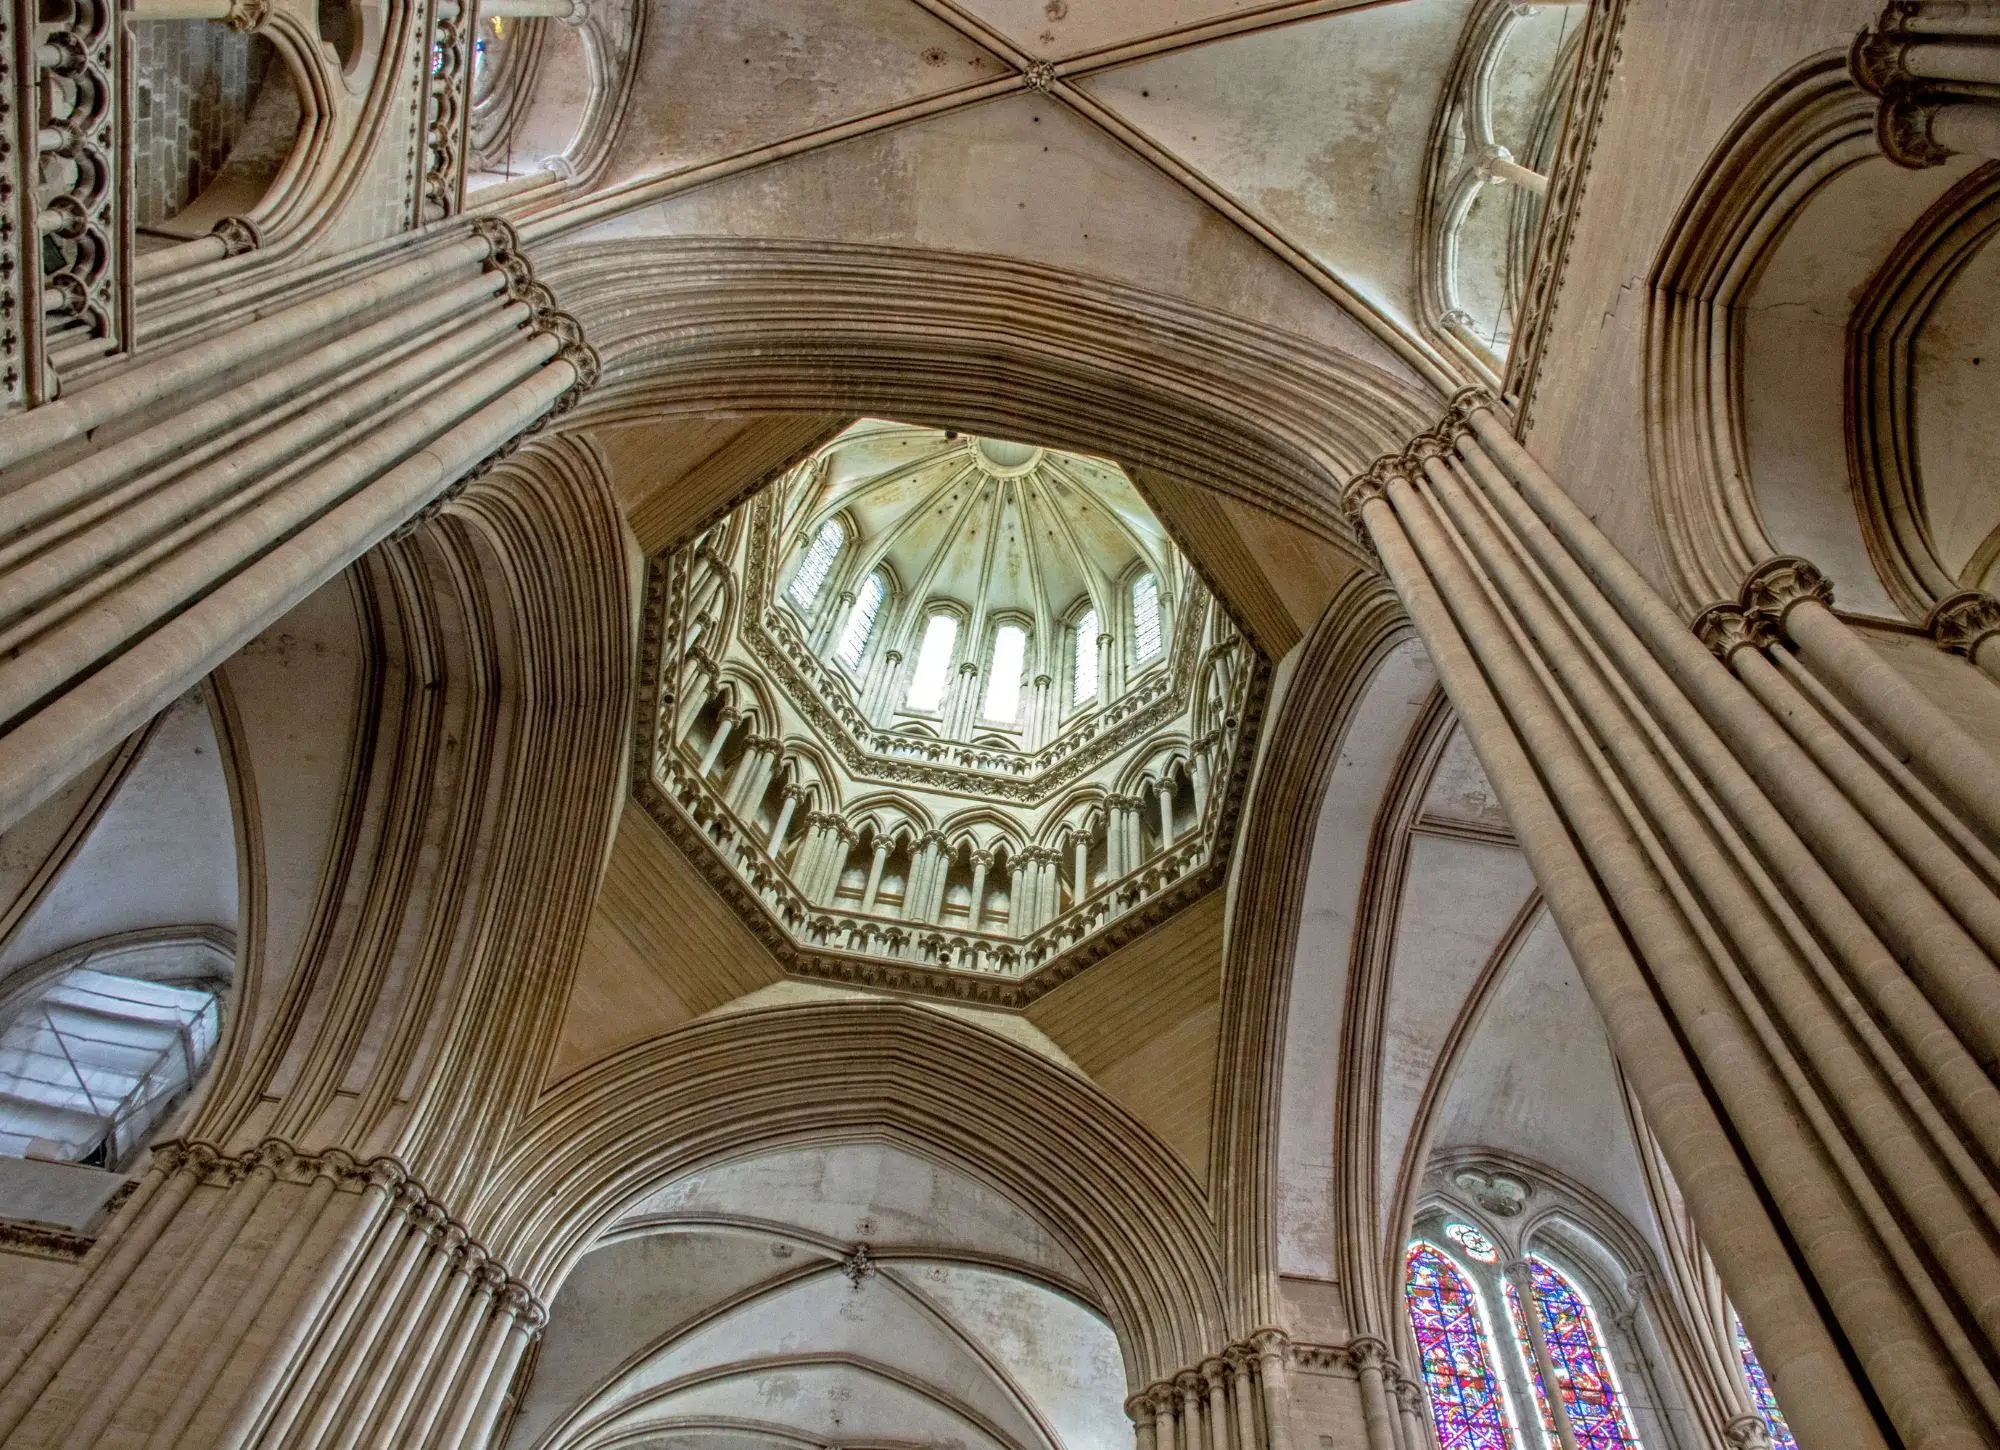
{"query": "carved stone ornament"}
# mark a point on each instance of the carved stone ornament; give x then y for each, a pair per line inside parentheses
(1040, 76)
(1727, 628)
(1777, 585)
(1497, 1193)
(1962, 622)
(239, 235)
(1748, 1432)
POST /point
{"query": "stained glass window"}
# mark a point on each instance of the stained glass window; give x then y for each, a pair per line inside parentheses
(933, 662)
(1475, 1243)
(1455, 1353)
(1003, 680)
(861, 623)
(1085, 641)
(1596, 1410)
(1145, 617)
(817, 564)
(1762, 1398)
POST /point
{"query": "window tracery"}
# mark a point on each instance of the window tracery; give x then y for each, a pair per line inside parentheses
(1588, 1385)
(1455, 1353)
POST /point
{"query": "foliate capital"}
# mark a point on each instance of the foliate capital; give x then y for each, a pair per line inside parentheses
(1963, 622)
(1367, 1353)
(1272, 1346)
(1139, 1409)
(1776, 585)
(1903, 129)
(1191, 1385)
(1725, 629)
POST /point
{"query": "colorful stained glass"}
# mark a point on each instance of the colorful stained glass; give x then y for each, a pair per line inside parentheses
(1590, 1394)
(1455, 1352)
(1475, 1243)
(1762, 1398)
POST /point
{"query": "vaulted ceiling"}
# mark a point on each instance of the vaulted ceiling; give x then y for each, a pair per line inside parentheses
(1266, 158)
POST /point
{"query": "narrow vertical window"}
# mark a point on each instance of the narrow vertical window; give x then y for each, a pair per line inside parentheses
(817, 565)
(1762, 1398)
(1454, 1353)
(860, 625)
(1583, 1369)
(1145, 618)
(1003, 680)
(933, 662)
(1084, 679)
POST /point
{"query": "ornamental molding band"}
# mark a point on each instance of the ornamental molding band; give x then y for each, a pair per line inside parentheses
(278, 1161)
(945, 714)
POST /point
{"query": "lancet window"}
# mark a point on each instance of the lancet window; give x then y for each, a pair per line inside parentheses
(1083, 645)
(1145, 618)
(817, 565)
(933, 669)
(1455, 1353)
(860, 627)
(1583, 1370)
(1003, 677)
(1474, 1378)
(1763, 1399)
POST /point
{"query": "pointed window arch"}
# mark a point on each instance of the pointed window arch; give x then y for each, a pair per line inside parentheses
(1083, 640)
(927, 682)
(1455, 1353)
(1763, 1399)
(1003, 679)
(860, 627)
(1590, 1394)
(1145, 618)
(817, 566)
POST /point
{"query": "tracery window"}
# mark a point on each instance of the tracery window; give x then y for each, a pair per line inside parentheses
(1475, 1243)
(1003, 678)
(817, 566)
(1083, 641)
(1762, 1398)
(927, 681)
(1145, 618)
(1576, 1350)
(1455, 1353)
(860, 626)
(93, 1061)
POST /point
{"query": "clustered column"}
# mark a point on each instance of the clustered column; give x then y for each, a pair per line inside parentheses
(1232, 1401)
(1935, 67)
(1785, 905)
(260, 491)
(401, 1331)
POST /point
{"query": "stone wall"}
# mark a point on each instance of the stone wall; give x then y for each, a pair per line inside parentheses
(193, 84)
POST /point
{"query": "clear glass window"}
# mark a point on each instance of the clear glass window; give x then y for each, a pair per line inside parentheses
(94, 1061)
(860, 625)
(933, 662)
(817, 566)
(1084, 680)
(1003, 680)
(1145, 617)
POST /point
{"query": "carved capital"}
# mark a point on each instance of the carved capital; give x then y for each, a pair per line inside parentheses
(1139, 1410)
(1191, 1385)
(1164, 1399)
(1368, 486)
(1963, 622)
(239, 235)
(1272, 1346)
(1368, 1353)
(1748, 1432)
(1879, 57)
(1777, 585)
(1725, 629)
(1215, 1372)
(247, 15)
(1903, 129)
(1410, 1395)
